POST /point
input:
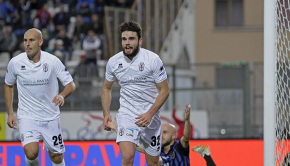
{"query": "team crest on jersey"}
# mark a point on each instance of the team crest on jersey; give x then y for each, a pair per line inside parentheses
(141, 66)
(172, 156)
(45, 67)
(121, 132)
(120, 66)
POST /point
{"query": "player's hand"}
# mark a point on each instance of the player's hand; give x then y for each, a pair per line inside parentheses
(106, 120)
(187, 112)
(144, 119)
(58, 100)
(11, 121)
(113, 125)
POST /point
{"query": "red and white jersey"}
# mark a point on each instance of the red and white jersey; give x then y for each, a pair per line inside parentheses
(37, 85)
(137, 78)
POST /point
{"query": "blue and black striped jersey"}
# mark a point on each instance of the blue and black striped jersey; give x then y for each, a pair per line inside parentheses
(177, 155)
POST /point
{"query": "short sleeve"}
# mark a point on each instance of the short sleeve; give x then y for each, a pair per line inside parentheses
(62, 73)
(109, 74)
(159, 72)
(10, 77)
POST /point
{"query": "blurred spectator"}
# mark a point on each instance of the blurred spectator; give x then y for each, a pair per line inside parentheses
(91, 45)
(20, 49)
(76, 43)
(37, 4)
(58, 54)
(83, 6)
(59, 50)
(72, 7)
(23, 19)
(80, 28)
(18, 28)
(81, 69)
(122, 3)
(58, 3)
(67, 45)
(61, 19)
(43, 17)
(84, 70)
(6, 10)
(99, 7)
(8, 41)
(96, 24)
(84, 74)
(85, 11)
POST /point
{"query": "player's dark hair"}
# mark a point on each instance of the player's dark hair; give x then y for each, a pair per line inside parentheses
(131, 26)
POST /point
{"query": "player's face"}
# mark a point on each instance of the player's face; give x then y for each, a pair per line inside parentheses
(167, 134)
(130, 43)
(32, 43)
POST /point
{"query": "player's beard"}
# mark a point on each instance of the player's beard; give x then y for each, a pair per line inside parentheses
(134, 52)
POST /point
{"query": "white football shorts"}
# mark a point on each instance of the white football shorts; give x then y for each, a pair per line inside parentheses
(150, 136)
(50, 131)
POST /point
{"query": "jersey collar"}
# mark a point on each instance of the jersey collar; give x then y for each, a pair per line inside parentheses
(37, 63)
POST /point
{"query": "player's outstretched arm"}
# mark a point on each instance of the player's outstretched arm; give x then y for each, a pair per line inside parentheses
(187, 128)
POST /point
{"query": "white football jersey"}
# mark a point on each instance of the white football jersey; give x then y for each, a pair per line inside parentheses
(37, 85)
(137, 79)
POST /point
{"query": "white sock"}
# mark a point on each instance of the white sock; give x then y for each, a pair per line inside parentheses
(60, 164)
(34, 162)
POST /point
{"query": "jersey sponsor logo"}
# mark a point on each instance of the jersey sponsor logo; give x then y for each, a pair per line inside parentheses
(129, 132)
(23, 68)
(162, 74)
(120, 66)
(29, 134)
(45, 67)
(133, 80)
(141, 66)
(121, 132)
(36, 82)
